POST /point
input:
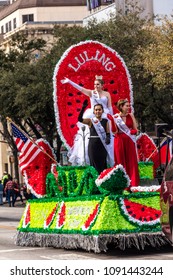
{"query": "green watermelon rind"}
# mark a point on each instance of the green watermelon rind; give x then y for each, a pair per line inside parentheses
(149, 201)
(134, 220)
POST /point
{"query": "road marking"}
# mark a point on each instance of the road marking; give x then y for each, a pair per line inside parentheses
(27, 249)
(67, 257)
(8, 227)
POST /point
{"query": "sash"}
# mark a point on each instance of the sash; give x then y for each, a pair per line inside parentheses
(95, 95)
(123, 127)
(102, 135)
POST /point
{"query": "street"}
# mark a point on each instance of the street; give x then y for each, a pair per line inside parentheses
(9, 219)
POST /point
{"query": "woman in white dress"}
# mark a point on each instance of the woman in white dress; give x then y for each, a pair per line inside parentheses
(77, 154)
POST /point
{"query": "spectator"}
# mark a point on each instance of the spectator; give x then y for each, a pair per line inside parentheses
(1, 193)
(17, 191)
(26, 192)
(4, 181)
(9, 190)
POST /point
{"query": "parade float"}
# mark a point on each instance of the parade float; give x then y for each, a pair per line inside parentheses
(75, 206)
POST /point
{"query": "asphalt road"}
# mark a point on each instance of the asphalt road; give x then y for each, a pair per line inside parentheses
(9, 219)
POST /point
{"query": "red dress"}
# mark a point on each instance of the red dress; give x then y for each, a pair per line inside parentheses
(125, 153)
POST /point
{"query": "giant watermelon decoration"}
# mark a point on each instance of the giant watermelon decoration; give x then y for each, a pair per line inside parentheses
(147, 149)
(36, 170)
(81, 63)
(140, 214)
(112, 180)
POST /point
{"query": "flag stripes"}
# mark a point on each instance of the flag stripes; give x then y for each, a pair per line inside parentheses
(27, 148)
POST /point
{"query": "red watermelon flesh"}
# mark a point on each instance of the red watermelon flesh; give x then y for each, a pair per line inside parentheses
(61, 215)
(147, 149)
(91, 218)
(27, 216)
(81, 63)
(139, 213)
(50, 217)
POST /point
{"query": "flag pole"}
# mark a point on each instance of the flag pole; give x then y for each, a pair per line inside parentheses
(156, 149)
(152, 154)
(27, 136)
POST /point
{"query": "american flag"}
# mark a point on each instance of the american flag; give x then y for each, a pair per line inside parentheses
(164, 145)
(28, 150)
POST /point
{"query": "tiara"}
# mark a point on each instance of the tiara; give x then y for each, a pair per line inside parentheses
(98, 77)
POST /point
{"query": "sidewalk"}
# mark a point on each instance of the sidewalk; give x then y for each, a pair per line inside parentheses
(18, 202)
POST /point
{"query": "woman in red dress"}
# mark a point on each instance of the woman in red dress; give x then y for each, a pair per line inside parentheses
(125, 141)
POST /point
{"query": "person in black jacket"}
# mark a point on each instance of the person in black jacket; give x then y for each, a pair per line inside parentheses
(99, 137)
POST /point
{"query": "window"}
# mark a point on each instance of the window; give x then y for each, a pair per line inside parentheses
(6, 27)
(26, 18)
(14, 23)
(2, 29)
(9, 26)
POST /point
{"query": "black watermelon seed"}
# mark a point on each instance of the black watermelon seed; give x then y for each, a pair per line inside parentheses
(69, 103)
(70, 114)
(151, 219)
(78, 101)
(78, 110)
(134, 215)
(130, 212)
(114, 92)
(70, 94)
(72, 125)
(156, 215)
(112, 82)
(128, 206)
(140, 219)
(142, 209)
(37, 167)
(79, 93)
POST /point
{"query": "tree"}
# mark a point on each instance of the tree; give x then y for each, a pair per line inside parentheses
(16, 75)
(155, 60)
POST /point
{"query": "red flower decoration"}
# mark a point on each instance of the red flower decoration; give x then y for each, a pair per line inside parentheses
(81, 63)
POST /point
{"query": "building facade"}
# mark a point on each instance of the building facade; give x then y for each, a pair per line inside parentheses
(108, 8)
(37, 17)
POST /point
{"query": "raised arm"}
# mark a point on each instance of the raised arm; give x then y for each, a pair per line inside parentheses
(85, 91)
(80, 117)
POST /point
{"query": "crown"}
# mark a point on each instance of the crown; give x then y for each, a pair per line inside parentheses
(98, 77)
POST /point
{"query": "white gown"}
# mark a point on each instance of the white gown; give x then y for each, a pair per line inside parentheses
(77, 154)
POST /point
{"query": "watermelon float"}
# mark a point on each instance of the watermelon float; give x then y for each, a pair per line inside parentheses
(79, 208)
